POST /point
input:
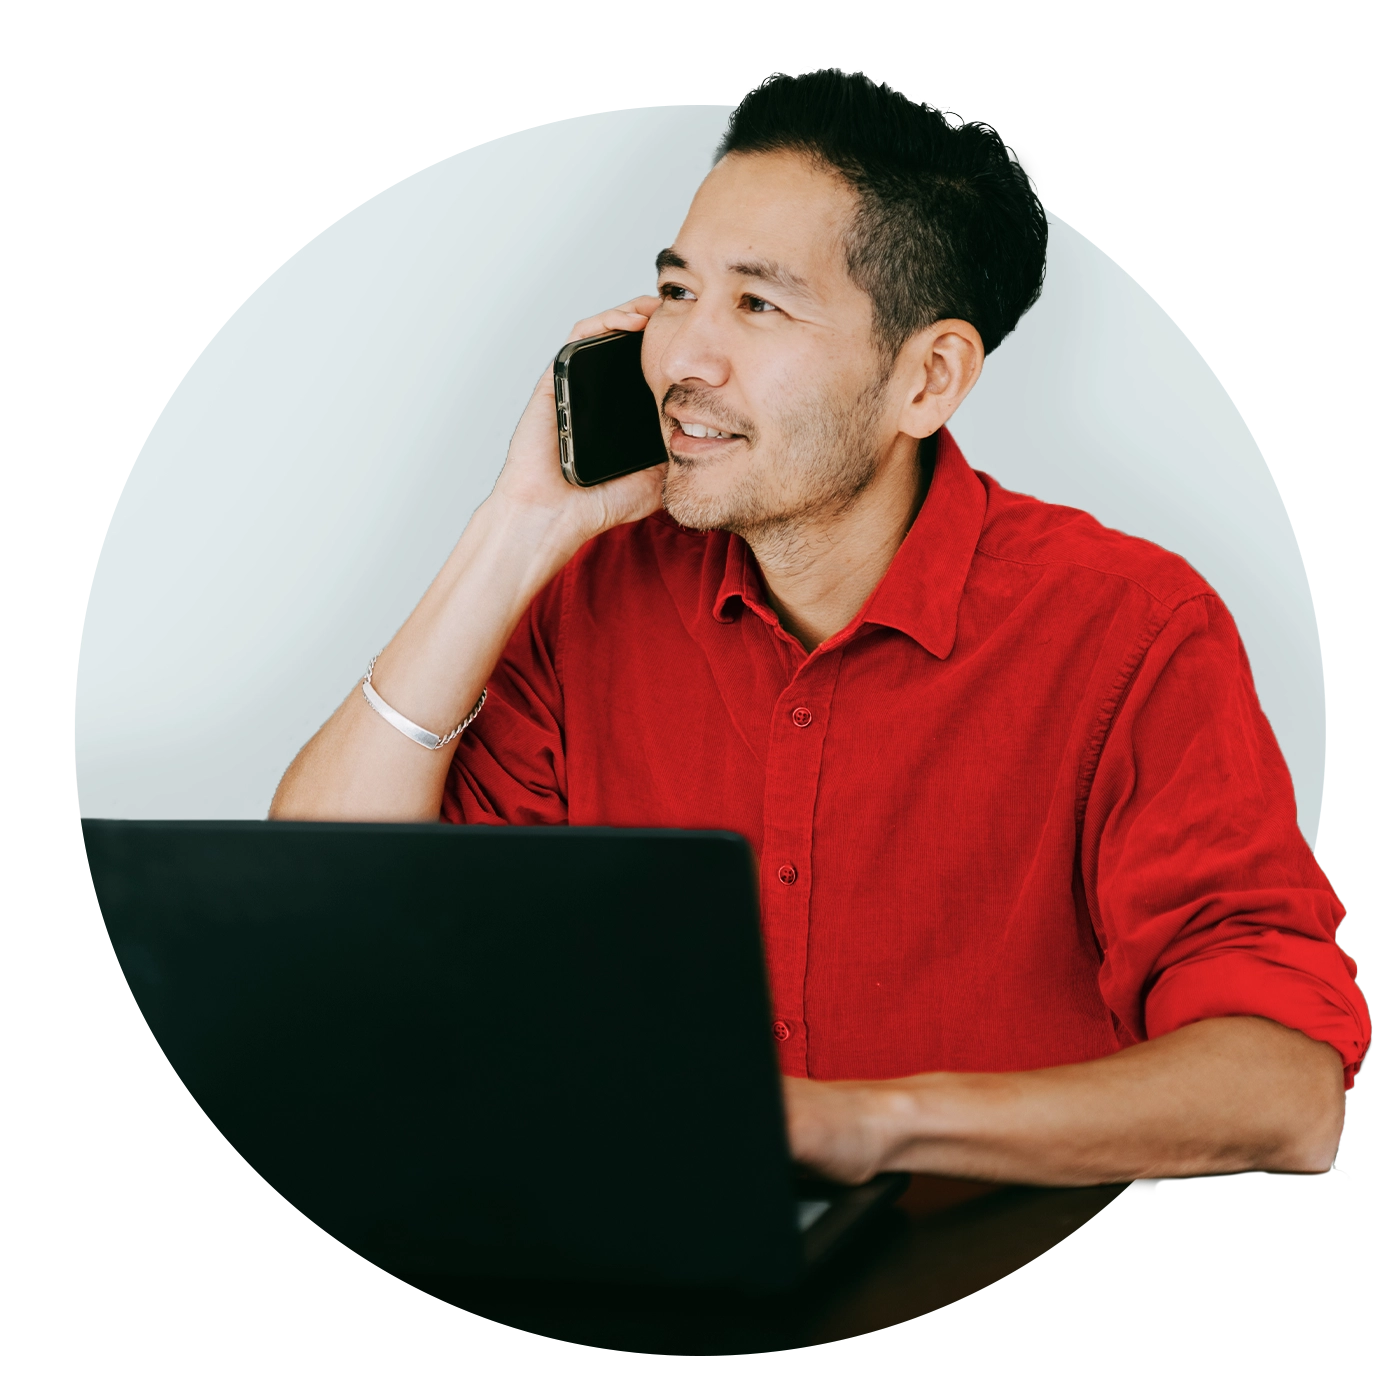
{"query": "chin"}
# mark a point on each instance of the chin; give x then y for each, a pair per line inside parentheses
(689, 505)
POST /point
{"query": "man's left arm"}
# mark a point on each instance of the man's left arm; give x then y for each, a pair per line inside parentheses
(1220, 968)
(1229, 1094)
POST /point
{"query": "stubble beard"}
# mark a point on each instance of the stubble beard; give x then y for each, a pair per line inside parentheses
(822, 456)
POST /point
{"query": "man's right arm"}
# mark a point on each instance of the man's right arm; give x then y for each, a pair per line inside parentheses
(358, 767)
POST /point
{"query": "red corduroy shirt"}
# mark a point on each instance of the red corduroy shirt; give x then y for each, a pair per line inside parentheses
(1024, 810)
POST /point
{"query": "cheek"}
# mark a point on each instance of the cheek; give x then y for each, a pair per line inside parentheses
(785, 394)
(763, 387)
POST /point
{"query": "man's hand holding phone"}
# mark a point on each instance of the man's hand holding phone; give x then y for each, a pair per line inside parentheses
(532, 481)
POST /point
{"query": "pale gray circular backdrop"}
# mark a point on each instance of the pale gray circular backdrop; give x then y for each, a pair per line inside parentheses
(312, 471)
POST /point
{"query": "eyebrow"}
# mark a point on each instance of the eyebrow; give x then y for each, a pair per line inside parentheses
(764, 270)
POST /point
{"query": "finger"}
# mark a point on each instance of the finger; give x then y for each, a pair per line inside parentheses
(643, 306)
(634, 496)
(630, 316)
(616, 320)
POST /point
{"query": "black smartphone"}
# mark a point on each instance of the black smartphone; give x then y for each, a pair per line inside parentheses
(608, 423)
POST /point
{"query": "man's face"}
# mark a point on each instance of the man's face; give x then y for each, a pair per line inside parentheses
(762, 336)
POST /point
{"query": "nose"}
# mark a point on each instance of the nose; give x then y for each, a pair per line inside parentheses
(689, 344)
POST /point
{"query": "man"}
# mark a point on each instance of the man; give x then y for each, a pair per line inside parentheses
(1035, 904)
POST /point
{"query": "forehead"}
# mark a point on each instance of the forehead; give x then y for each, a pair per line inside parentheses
(777, 208)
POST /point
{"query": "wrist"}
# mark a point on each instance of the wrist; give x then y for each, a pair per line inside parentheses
(541, 538)
(927, 1122)
(511, 551)
(894, 1119)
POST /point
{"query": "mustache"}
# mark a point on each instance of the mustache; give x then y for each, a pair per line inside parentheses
(708, 405)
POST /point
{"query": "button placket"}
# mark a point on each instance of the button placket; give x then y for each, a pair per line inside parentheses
(797, 734)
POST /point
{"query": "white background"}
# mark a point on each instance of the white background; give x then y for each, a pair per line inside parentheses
(162, 161)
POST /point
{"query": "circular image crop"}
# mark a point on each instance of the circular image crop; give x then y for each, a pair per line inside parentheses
(293, 502)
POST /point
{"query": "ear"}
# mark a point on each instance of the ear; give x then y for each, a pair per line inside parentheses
(935, 371)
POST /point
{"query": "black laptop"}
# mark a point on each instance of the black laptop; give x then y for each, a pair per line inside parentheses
(479, 1051)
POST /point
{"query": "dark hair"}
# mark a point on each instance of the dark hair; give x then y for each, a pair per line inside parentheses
(947, 224)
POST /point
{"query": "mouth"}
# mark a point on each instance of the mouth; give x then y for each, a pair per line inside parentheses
(700, 439)
(703, 430)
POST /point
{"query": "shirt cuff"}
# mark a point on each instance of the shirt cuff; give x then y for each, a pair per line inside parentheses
(1302, 983)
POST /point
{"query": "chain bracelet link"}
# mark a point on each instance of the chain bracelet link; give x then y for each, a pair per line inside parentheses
(424, 738)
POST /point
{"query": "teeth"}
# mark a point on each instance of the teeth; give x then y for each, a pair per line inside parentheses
(699, 430)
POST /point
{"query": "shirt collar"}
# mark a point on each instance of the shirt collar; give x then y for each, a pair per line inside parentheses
(921, 590)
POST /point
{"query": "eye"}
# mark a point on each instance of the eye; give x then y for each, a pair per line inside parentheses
(755, 303)
(673, 291)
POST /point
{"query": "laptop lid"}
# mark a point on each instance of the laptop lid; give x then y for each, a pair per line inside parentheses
(480, 1050)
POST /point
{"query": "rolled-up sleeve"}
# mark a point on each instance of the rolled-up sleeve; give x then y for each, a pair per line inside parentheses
(509, 766)
(1204, 895)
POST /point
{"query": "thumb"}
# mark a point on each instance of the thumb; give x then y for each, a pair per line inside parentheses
(631, 497)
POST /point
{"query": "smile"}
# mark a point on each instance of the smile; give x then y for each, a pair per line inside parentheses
(699, 430)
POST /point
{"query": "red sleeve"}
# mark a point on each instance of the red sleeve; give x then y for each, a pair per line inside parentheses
(509, 767)
(1204, 895)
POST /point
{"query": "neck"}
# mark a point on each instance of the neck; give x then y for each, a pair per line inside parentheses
(819, 572)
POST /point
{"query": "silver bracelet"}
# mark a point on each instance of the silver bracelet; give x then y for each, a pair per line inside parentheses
(424, 737)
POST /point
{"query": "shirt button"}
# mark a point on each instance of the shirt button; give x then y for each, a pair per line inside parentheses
(787, 874)
(802, 716)
(780, 1030)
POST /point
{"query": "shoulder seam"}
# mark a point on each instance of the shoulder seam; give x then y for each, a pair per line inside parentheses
(1197, 588)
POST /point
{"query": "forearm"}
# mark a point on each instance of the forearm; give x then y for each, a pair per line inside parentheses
(1224, 1095)
(358, 767)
